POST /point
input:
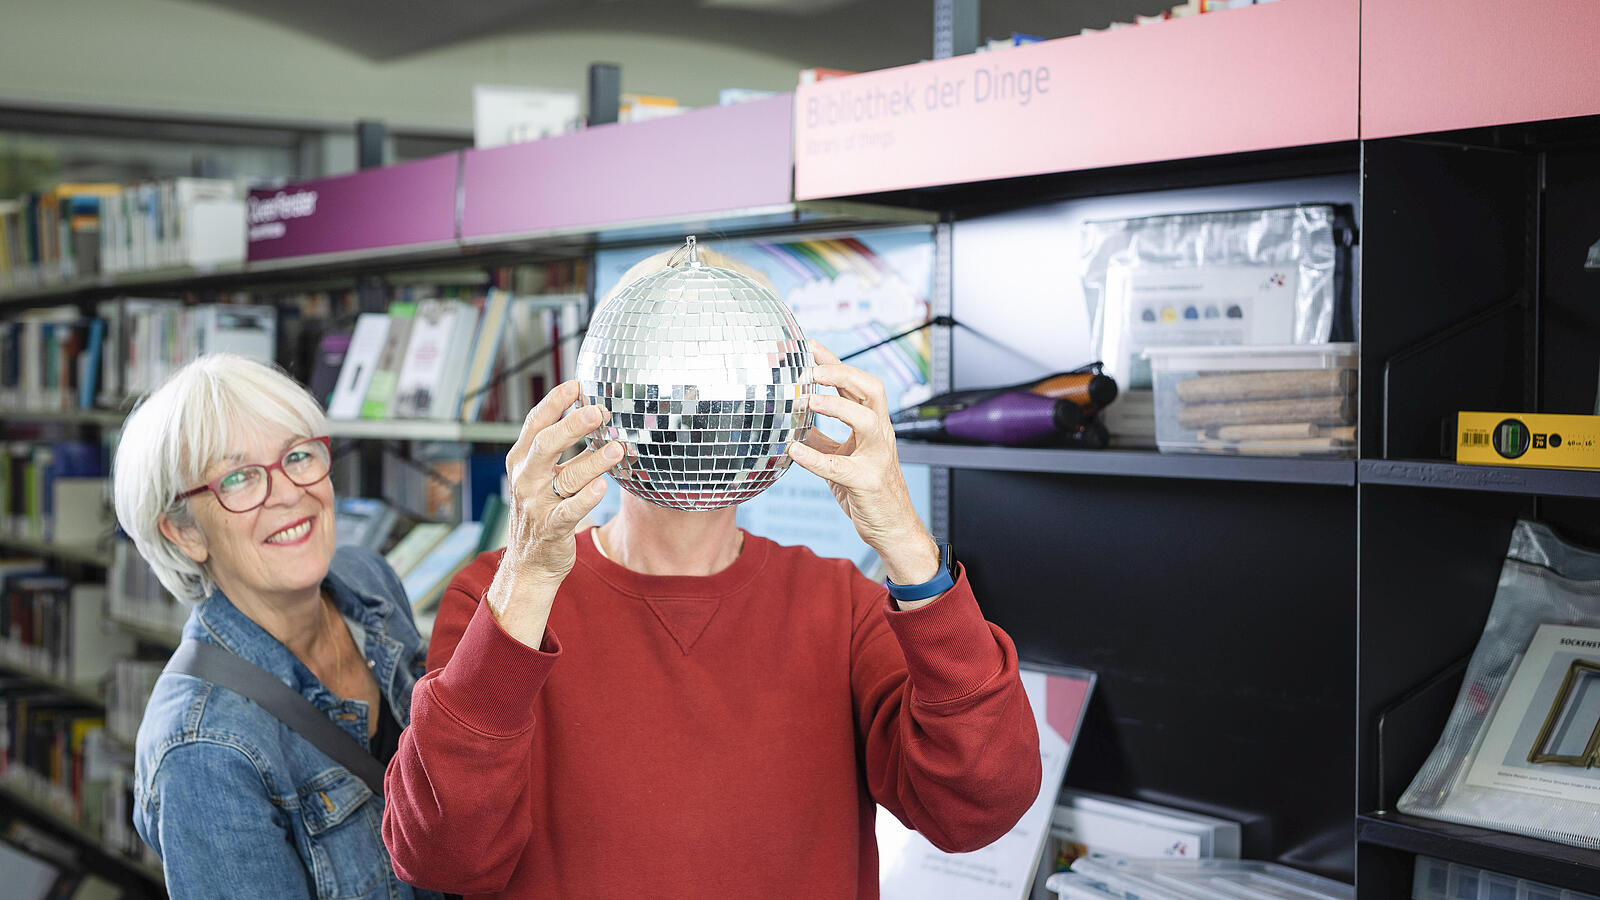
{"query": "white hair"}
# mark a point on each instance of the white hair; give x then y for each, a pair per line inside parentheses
(211, 406)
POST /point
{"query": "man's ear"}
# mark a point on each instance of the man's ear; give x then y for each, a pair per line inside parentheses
(189, 540)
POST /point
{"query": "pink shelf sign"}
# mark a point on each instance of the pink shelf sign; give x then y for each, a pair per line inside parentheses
(709, 160)
(399, 205)
(1278, 75)
(1437, 65)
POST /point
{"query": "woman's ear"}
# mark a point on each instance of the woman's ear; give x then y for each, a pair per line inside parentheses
(190, 540)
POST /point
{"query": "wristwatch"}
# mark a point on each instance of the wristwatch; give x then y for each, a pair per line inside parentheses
(942, 581)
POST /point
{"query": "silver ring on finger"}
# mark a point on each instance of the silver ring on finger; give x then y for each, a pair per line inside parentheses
(557, 491)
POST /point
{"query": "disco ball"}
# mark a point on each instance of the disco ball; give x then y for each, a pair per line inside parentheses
(703, 370)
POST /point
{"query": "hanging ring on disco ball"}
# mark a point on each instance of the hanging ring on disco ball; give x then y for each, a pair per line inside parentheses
(705, 374)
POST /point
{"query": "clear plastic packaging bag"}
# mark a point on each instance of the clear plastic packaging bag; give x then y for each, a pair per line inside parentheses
(1261, 276)
(1109, 878)
(1490, 767)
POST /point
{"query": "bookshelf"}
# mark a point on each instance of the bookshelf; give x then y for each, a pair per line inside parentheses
(98, 418)
(76, 691)
(153, 634)
(39, 810)
(425, 430)
(355, 429)
(77, 553)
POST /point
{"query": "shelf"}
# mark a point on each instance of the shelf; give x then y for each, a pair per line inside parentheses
(1573, 868)
(66, 687)
(20, 797)
(425, 430)
(104, 418)
(1135, 463)
(89, 555)
(392, 429)
(154, 634)
(566, 242)
(1502, 479)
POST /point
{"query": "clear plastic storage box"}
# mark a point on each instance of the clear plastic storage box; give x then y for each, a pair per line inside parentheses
(1109, 878)
(1279, 400)
(1436, 879)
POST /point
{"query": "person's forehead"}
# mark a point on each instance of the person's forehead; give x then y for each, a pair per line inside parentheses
(259, 443)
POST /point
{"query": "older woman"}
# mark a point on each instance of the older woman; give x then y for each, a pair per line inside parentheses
(221, 479)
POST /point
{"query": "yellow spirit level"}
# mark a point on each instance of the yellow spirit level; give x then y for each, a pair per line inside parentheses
(1543, 440)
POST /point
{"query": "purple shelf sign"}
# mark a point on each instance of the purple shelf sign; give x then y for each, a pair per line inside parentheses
(399, 205)
(711, 160)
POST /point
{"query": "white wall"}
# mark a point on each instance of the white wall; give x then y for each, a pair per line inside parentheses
(172, 55)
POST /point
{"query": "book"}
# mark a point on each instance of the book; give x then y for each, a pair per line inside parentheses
(817, 73)
(416, 392)
(363, 352)
(496, 525)
(326, 365)
(363, 522)
(458, 356)
(421, 539)
(249, 331)
(427, 580)
(485, 351)
(1087, 823)
(380, 390)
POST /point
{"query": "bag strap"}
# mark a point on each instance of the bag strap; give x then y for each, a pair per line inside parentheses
(225, 668)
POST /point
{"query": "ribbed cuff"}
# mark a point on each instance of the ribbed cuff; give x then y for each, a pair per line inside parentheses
(950, 650)
(492, 682)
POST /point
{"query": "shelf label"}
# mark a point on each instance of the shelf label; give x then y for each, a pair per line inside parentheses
(1277, 75)
(409, 203)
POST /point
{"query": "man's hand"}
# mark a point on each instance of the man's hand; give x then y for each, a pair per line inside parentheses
(548, 500)
(864, 471)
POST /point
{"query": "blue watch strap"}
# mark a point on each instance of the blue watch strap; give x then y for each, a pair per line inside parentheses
(943, 581)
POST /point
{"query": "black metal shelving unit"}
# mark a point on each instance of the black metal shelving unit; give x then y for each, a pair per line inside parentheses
(1474, 296)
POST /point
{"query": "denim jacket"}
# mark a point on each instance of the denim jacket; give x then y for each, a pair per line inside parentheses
(238, 805)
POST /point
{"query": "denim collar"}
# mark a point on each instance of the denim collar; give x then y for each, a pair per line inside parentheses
(216, 620)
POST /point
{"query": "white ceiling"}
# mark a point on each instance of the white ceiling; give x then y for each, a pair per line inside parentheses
(846, 34)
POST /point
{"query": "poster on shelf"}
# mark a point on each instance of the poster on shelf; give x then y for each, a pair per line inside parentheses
(847, 292)
(911, 868)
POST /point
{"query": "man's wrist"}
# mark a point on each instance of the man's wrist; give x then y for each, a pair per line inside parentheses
(914, 596)
(912, 561)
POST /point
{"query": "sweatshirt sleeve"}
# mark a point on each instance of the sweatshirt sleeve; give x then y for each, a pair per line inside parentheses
(950, 742)
(458, 796)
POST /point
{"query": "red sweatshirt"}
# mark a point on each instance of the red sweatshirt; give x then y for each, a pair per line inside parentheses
(717, 736)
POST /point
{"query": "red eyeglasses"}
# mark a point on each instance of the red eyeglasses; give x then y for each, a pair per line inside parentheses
(248, 487)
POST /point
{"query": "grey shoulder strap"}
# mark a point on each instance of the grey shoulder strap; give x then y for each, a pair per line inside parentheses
(225, 668)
